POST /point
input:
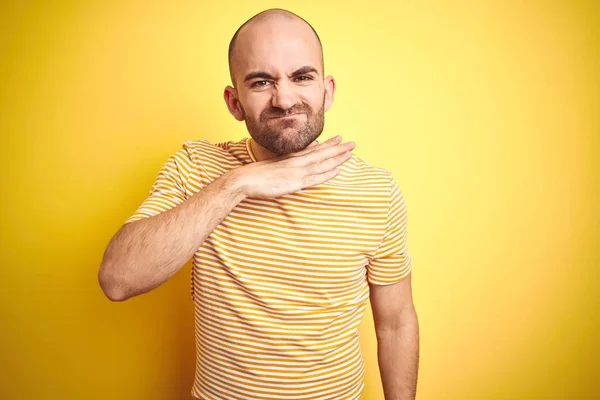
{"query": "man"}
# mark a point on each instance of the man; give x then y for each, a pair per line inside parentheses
(289, 237)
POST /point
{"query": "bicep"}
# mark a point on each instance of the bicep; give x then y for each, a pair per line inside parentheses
(391, 304)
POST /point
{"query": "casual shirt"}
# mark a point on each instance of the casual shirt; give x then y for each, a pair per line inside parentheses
(280, 285)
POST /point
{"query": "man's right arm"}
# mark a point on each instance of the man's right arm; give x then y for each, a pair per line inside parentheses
(145, 253)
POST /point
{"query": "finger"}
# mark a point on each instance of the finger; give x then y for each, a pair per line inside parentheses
(324, 154)
(313, 180)
(328, 164)
(329, 142)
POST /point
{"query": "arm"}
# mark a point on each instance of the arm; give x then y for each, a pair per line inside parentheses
(397, 332)
(143, 254)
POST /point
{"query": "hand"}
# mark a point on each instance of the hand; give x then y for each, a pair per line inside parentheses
(295, 171)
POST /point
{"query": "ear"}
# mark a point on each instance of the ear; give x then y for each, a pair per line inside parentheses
(233, 104)
(329, 91)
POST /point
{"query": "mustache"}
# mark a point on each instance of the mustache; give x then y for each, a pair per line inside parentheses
(278, 112)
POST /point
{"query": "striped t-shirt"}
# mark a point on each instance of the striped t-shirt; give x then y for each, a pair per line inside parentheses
(281, 285)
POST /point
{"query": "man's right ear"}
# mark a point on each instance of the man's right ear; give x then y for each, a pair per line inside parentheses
(234, 106)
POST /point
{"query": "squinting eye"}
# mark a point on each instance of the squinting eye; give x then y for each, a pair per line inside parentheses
(304, 78)
(259, 83)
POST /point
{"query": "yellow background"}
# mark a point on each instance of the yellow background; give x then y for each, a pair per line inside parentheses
(487, 114)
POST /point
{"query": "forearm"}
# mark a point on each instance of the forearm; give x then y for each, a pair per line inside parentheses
(144, 254)
(398, 358)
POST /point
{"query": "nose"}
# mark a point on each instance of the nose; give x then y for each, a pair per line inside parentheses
(284, 96)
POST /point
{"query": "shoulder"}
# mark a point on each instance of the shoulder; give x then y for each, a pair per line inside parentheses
(203, 146)
(377, 179)
(359, 167)
(201, 151)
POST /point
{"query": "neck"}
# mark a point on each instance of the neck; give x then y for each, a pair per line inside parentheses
(260, 153)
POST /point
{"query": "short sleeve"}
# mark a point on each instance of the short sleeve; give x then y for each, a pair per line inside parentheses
(391, 262)
(169, 188)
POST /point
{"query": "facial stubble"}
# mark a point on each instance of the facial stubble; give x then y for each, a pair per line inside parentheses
(275, 139)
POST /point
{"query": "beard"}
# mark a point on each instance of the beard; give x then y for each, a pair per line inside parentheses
(286, 135)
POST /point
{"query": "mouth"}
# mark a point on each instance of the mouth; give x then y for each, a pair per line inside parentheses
(287, 116)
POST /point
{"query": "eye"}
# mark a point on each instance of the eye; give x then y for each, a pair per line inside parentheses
(259, 84)
(304, 78)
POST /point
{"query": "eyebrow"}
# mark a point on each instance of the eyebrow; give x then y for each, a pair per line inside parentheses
(259, 74)
(265, 75)
(305, 70)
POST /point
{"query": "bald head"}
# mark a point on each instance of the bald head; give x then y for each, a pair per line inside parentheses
(270, 22)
